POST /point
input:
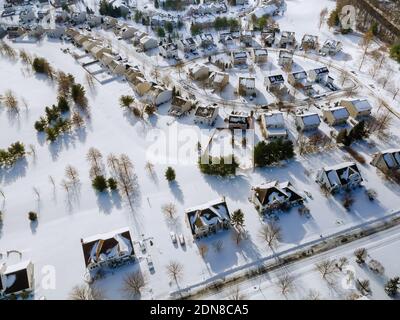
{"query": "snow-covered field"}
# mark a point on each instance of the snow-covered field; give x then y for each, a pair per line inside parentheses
(55, 241)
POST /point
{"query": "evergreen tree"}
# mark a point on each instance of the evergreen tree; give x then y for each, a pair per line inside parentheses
(170, 174)
(358, 132)
(237, 218)
(273, 152)
(99, 183)
(112, 184)
(62, 105)
(156, 4)
(343, 138)
(392, 286)
(160, 32)
(395, 52)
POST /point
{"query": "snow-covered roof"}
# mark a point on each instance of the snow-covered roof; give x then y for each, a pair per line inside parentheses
(310, 119)
(260, 12)
(247, 82)
(274, 119)
(276, 79)
(361, 105)
(107, 246)
(207, 214)
(391, 158)
(275, 192)
(341, 174)
(338, 112)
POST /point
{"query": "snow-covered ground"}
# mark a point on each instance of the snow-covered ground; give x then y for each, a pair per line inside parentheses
(55, 241)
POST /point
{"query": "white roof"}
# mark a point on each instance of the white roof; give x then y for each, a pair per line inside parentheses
(310, 119)
(274, 119)
(339, 112)
(362, 105)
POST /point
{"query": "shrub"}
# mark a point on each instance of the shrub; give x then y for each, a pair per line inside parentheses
(99, 183)
(273, 152)
(218, 167)
(41, 65)
(78, 94)
(170, 174)
(112, 184)
(126, 101)
(40, 125)
(32, 216)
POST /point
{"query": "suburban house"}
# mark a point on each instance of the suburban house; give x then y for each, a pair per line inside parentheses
(247, 86)
(199, 72)
(78, 17)
(127, 32)
(226, 38)
(259, 55)
(268, 38)
(218, 80)
(137, 80)
(274, 82)
(147, 43)
(15, 32)
(299, 80)
(274, 196)
(273, 124)
(109, 22)
(206, 40)
(158, 95)
(108, 249)
(387, 160)
(98, 51)
(89, 44)
(331, 47)
(94, 20)
(319, 75)
(309, 42)
(169, 51)
(288, 38)
(285, 58)
(335, 116)
(307, 121)
(339, 177)
(246, 37)
(16, 279)
(241, 121)
(206, 115)
(180, 106)
(264, 10)
(357, 108)
(239, 57)
(187, 45)
(55, 33)
(208, 218)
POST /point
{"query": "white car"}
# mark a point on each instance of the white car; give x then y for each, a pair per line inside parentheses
(150, 264)
(181, 239)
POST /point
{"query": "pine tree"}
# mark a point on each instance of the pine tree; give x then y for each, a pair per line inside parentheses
(112, 184)
(170, 174)
(99, 183)
(392, 286)
(358, 132)
(156, 4)
(62, 105)
(237, 218)
(343, 138)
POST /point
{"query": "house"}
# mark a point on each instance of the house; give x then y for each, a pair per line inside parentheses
(187, 45)
(307, 121)
(268, 38)
(116, 67)
(331, 47)
(206, 115)
(247, 86)
(127, 32)
(79, 39)
(15, 32)
(387, 160)
(180, 106)
(147, 43)
(89, 44)
(309, 42)
(335, 116)
(16, 279)
(263, 11)
(342, 176)
(78, 17)
(108, 249)
(218, 80)
(246, 37)
(137, 80)
(169, 51)
(241, 121)
(274, 125)
(98, 51)
(274, 82)
(358, 109)
(94, 20)
(158, 95)
(226, 38)
(109, 22)
(319, 75)
(299, 80)
(239, 57)
(259, 55)
(208, 218)
(285, 58)
(206, 40)
(56, 32)
(274, 196)
(288, 38)
(199, 72)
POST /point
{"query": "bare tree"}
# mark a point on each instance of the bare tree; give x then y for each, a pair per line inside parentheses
(32, 150)
(344, 76)
(65, 185)
(149, 167)
(77, 120)
(236, 294)
(175, 270)
(361, 255)
(53, 183)
(313, 295)
(10, 101)
(271, 234)
(133, 283)
(203, 250)
(286, 284)
(343, 261)
(365, 44)
(327, 268)
(85, 292)
(322, 17)
(37, 193)
(90, 81)
(376, 266)
(94, 157)
(72, 174)
(169, 209)
(363, 286)
(3, 195)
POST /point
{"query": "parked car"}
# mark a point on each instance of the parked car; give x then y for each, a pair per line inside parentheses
(173, 237)
(142, 246)
(150, 264)
(181, 239)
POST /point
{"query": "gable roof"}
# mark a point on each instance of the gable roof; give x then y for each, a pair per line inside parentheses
(342, 174)
(275, 192)
(16, 278)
